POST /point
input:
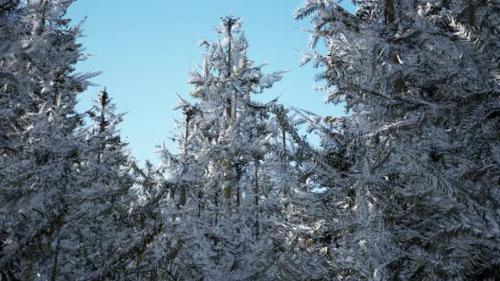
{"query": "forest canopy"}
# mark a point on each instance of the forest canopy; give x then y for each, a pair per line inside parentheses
(405, 186)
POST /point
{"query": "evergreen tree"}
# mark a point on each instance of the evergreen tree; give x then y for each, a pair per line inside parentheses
(420, 80)
(99, 223)
(225, 211)
(64, 192)
(310, 198)
(41, 145)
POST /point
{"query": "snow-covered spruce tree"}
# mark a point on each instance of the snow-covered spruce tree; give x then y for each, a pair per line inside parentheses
(98, 224)
(325, 212)
(41, 139)
(420, 80)
(135, 255)
(224, 213)
(320, 199)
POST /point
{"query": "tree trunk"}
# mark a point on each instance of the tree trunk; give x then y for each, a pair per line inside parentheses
(256, 191)
(284, 165)
(389, 12)
(56, 255)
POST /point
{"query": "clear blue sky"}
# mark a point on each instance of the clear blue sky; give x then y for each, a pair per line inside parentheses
(146, 50)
